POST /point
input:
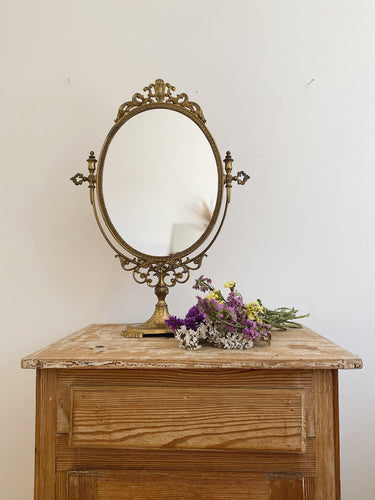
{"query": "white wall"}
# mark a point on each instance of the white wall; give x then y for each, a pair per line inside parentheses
(301, 233)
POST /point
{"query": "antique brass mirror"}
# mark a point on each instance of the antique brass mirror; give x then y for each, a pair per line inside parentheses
(157, 192)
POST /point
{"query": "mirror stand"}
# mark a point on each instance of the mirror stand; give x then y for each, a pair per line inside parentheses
(137, 153)
(156, 324)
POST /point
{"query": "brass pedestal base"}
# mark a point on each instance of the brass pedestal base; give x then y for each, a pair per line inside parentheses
(156, 324)
(138, 331)
(153, 326)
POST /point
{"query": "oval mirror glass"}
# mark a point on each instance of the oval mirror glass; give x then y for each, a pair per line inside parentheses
(160, 182)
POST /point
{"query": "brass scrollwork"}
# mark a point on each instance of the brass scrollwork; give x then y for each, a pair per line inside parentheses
(79, 179)
(175, 271)
(241, 177)
(160, 92)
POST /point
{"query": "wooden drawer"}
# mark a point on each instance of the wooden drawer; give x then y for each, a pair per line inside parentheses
(187, 485)
(188, 418)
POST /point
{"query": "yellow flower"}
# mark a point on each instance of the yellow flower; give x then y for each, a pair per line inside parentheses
(215, 294)
(230, 284)
(254, 311)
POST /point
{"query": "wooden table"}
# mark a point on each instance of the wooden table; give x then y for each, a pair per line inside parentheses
(141, 419)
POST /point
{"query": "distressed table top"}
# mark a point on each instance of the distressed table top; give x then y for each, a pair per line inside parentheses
(102, 346)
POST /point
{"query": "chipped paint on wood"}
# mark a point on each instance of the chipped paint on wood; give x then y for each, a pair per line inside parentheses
(102, 346)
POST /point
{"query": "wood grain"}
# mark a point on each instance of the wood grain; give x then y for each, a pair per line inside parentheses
(83, 486)
(221, 461)
(286, 486)
(180, 379)
(102, 346)
(45, 434)
(198, 485)
(62, 485)
(188, 485)
(309, 488)
(326, 420)
(336, 430)
(190, 418)
(148, 420)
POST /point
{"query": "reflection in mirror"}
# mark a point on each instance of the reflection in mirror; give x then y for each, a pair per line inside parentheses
(160, 182)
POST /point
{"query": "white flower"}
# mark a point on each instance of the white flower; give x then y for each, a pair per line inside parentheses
(188, 339)
(228, 340)
(202, 331)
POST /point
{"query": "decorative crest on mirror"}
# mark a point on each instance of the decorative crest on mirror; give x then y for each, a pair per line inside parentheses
(165, 271)
(160, 92)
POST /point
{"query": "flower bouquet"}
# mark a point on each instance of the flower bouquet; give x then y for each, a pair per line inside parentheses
(228, 323)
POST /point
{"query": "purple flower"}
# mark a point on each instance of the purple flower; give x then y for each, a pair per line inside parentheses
(174, 323)
(235, 300)
(203, 284)
(248, 333)
(194, 318)
(230, 313)
(264, 331)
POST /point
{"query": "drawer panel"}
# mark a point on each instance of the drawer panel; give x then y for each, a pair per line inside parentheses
(188, 418)
(68, 458)
(187, 485)
(154, 485)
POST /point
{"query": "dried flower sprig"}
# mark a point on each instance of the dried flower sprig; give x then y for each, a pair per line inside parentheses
(282, 318)
(228, 322)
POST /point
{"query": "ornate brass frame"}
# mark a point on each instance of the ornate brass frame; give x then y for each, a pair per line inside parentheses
(158, 272)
